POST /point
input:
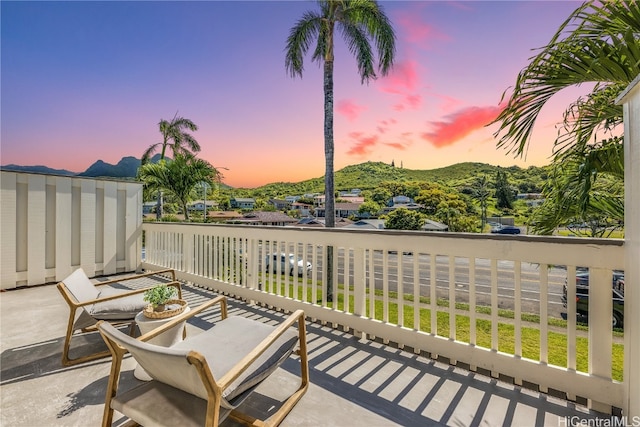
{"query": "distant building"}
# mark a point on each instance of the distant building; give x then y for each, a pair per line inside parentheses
(280, 204)
(367, 224)
(430, 225)
(319, 222)
(265, 218)
(303, 208)
(198, 205)
(243, 203)
(411, 206)
(378, 224)
(224, 216)
(292, 199)
(400, 200)
(343, 210)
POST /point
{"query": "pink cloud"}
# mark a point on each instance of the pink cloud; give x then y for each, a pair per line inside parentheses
(460, 124)
(364, 144)
(396, 145)
(384, 125)
(350, 109)
(402, 78)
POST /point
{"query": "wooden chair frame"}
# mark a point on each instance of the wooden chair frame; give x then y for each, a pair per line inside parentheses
(90, 325)
(215, 388)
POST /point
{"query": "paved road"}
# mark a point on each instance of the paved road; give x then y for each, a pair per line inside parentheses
(529, 276)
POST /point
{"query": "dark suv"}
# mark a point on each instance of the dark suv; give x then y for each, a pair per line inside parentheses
(506, 229)
(582, 296)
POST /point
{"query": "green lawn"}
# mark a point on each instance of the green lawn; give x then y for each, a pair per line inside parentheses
(530, 335)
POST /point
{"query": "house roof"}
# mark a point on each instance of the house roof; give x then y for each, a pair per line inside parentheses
(345, 206)
(373, 224)
(244, 199)
(222, 215)
(267, 217)
(319, 222)
(430, 225)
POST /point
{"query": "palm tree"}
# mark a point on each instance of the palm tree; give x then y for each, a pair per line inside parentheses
(359, 22)
(179, 177)
(598, 44)
(174, 135)
(481, 193)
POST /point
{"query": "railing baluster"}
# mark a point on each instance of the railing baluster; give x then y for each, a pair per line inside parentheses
(544, 313)
(400, 284)
(433, 296)
(452, 297)
(385, 286)
(494, 309)
(517, 308)
(416, 295)
(472, 301)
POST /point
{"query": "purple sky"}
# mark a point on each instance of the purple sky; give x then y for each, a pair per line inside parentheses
(83, 81)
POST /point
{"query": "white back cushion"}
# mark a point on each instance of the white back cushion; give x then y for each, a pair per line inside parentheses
(80, 286)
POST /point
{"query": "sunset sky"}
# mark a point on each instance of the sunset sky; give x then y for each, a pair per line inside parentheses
(85, 80)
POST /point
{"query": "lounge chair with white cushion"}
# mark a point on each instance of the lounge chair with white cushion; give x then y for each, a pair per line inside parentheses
(90, 303)
(202, 380)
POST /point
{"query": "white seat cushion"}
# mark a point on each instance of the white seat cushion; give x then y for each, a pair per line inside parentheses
(117, 309)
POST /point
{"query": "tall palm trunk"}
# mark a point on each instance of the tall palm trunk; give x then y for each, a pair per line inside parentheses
(329, 198)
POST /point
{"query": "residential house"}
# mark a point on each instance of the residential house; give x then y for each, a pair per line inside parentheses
(378, 224)
(280, 204)
(368, 224)
(430, 225)
(400, 200)
(198, 205)
(224, 216)
(266, 218)
(243, 203)
(411, 206)
(343, 210)
(319, 222)
(303, 208)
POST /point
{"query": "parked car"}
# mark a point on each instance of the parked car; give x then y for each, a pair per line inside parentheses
(582, 296)
(506, 229)
(287, 264)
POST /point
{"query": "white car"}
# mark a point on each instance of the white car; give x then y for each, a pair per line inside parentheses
(287, 264)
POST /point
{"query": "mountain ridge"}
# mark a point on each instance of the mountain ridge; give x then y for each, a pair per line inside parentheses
(366, 175)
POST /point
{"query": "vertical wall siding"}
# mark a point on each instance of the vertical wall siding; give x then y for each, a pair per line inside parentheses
(51, 225)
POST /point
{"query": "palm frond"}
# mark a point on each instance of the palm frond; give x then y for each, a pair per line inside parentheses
(596, 44)
(299, 41)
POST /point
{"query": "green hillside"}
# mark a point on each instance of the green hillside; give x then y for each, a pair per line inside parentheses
(369, 175)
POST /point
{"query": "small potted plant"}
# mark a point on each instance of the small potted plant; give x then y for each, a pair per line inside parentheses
(159, 295)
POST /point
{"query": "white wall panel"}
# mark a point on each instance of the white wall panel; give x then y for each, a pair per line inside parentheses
(36, 230)
(88, 226)
(63, 227)
(109, 227)
(8, 274)
(51, 225)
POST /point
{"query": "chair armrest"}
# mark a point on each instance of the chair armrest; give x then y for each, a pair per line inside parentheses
(222, 300)
(296, 317)
(138, 276)
(125, 294)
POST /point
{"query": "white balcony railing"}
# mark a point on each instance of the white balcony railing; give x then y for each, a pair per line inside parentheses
(491, 302)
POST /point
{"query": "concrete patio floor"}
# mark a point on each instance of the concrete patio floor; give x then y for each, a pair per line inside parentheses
(354, 382)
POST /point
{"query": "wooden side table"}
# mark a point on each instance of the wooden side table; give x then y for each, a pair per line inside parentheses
(166, 339)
